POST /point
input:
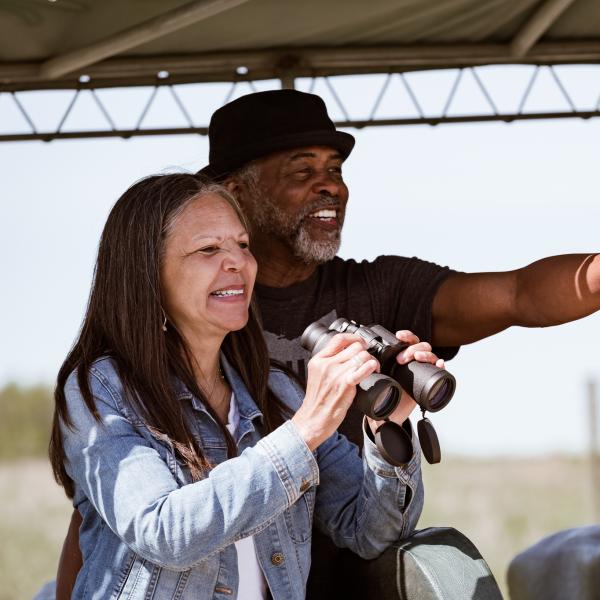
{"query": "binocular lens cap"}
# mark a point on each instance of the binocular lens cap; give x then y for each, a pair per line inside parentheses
(430, 445)
(394, 444)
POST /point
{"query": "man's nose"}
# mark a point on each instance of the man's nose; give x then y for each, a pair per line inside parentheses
(328, 184)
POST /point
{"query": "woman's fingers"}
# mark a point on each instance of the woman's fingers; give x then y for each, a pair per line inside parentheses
(419, 351)
(356, 375)
(354, 352)
(408, 337)
(340, 342)
(425, 356)
(423, 349)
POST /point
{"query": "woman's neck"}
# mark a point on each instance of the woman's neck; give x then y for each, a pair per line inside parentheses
(209, 377)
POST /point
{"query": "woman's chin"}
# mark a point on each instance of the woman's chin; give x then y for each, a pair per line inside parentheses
(234, 323)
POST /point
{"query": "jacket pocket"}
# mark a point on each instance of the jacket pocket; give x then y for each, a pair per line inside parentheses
(137, 580)
(299, 517)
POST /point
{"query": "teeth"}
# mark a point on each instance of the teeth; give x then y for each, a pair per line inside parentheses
(224, 293)
(325, 214)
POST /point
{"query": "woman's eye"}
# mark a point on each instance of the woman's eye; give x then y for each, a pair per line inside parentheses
(208, 249)
(244, 245)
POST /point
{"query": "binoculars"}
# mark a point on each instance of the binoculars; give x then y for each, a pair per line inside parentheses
(378, 394)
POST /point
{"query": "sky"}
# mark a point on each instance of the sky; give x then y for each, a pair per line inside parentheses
(475, 197)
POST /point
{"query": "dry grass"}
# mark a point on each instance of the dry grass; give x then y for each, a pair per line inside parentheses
(505, 505)
(501, 505)
(33, 521)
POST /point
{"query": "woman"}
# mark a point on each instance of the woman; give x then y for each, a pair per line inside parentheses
(193, 464)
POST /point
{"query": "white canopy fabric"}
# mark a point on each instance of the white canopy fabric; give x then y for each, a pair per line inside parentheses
(53, 43)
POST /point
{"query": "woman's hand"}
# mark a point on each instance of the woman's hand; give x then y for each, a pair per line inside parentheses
(333, 374)
(419, 351)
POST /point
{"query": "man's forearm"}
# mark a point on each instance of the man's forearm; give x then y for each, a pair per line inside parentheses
(557, 290)
(471, 306)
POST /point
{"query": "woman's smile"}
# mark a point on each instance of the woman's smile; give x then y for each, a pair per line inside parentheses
(233, 293)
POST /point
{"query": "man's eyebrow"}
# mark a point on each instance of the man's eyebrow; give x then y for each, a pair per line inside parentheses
(298, 155)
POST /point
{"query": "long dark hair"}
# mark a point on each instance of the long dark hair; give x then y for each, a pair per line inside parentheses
(124, 320)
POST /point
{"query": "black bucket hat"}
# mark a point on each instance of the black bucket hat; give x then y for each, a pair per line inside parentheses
(258, 124)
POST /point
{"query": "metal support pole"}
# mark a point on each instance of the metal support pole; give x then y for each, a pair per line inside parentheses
(142, 33)
(288, 82)
(594, 455)
(537, 26)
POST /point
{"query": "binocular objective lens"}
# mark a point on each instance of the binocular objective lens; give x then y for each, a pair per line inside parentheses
(385, 403)
(438, 394)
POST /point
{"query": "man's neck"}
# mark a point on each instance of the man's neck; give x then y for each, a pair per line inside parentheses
(280, 269)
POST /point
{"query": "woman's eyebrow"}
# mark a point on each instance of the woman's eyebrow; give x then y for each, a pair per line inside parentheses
(216, 238)
(198, 238)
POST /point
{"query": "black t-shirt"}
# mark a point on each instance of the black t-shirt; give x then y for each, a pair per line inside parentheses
(392, 291)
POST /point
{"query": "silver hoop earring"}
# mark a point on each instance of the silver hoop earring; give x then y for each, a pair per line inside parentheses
(164, 325)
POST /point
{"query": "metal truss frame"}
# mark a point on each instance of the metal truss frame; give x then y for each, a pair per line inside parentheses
(346, 117)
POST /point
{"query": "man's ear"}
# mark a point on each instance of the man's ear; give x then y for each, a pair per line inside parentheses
(236, 188)
(231, 185)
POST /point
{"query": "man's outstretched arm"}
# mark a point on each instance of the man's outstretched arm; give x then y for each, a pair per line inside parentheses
(471, 306)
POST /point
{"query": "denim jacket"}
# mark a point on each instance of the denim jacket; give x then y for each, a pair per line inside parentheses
(149, 532)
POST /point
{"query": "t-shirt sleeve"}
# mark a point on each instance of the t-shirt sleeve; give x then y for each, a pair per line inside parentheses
(403, 290)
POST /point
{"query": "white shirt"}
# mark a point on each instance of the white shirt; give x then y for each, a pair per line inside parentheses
(252, 581)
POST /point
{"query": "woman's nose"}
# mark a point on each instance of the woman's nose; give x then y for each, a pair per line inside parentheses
(235, 259)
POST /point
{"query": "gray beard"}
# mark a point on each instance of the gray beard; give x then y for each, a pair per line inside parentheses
(307, 250)
(270, 219)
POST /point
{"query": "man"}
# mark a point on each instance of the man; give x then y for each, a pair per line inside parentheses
(281, 156)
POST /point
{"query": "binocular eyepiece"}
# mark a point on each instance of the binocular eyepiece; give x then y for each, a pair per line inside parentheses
(378, 394)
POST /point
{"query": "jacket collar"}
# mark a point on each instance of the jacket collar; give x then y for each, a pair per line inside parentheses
(246, 404)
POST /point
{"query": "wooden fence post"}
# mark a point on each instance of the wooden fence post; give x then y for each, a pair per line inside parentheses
(594, 454)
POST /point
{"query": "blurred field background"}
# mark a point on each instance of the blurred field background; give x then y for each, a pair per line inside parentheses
(502, 505)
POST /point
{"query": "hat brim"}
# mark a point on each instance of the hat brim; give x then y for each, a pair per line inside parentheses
(339, 140)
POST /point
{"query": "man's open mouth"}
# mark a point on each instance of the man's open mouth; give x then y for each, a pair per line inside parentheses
(325, 216)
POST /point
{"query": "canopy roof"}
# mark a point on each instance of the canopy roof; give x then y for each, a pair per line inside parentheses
(68, 43)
